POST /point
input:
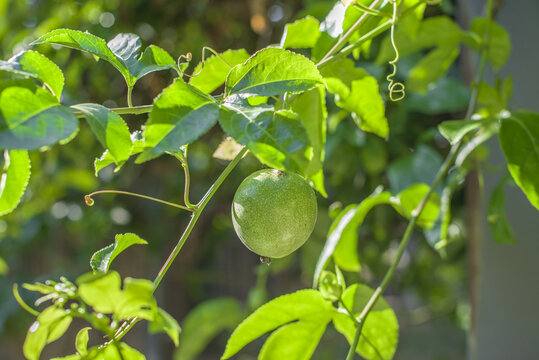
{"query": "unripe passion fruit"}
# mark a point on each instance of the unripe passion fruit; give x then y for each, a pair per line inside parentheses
(274, 212)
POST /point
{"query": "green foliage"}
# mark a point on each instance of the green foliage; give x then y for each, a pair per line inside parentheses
(303, 33)
(49, 326)
(101, 260)
(501, 230)
(15, 176)
(519, 139)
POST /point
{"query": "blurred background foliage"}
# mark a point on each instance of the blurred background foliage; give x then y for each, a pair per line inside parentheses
(52, 233)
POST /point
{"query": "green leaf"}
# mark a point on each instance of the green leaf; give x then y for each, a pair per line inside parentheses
(204, 322)
(35, 65)
(110, 129)
(455, 130)
(49, 326)
(432, 67)
(277, 138)
(81, 341)
(31, 120)
(499, 45)
(519, 139)
(164, 322)
(112, 351)
(447, 95)
(295, 341)
(126, 47)
(329, 286)
(102, 259)
(4, 268)
(180, 115)
(136, 300)
(83, 41)
(14, 179)
(121, 52)
(342, 235)
(420, 166)
(497, 220)
(367, 105)
(107, 159)
(380, 331)
(212, 73)
(270, 72)
(303, 33)
(408, 200)
(339, 75)
(311, 108)
(101, 292)
(301, 305)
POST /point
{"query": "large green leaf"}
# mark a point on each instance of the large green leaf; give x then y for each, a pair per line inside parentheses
(30, 120)
(519, 139)
(277, 138)
(499, 45)
(50, 325)
(272, 71)
(14, 179)
(342, 236)
(101, 260)
(432, 67)
(110, 129)
(33, 64)
(122, 52)
(303, 305)
(211, 74)
(302, 33)
(380, 333)
(204, 322)
(311, 108)
(180, 114)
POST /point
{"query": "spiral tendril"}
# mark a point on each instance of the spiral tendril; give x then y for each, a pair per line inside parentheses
(188, 57)
(396, 89)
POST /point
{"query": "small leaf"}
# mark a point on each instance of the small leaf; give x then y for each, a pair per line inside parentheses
(14, 179)
(211, 74)
(102, 259)
(303, 33)
(344, 229)
(499, 45)
(31, 120)
(180, 115)
(277, 138)
(101, 292)
(110, 129)
(408, 200)
(519, 139)
(329, 286)
(33, 64)
(49, 326)
(455, 130)
(164, 322)
(380, 331)
(301, 305)
(270, 72)
(497, 220)
(311, 108)
(295, 341)
(81, 341)
(204, 322)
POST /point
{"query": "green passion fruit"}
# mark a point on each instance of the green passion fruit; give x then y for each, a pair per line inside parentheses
(274, 212)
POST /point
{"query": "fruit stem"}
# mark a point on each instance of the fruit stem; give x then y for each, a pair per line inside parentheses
(126, 326)
(90, 201)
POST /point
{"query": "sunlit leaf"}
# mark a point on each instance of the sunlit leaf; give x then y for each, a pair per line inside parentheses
(49, 326)
(101, 260)
(302, 33)
(407, 201)
(13, 179)
(164, 322)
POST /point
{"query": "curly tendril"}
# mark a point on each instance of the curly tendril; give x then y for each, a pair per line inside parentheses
(396, 89)
(188, 57)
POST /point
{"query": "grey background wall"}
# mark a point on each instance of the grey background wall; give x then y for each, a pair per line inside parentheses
(508, 287)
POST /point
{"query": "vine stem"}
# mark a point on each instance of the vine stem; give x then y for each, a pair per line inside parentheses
(90, 201)
(194, 218)
(339, 44)
(439, 176)
(130, 96)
